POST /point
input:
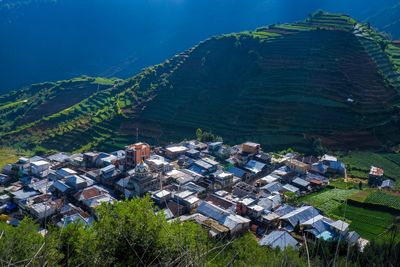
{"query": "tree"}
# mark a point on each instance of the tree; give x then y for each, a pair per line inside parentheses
(23, 245)
(199, 134)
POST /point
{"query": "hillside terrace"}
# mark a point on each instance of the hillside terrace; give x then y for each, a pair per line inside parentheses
(62, 189)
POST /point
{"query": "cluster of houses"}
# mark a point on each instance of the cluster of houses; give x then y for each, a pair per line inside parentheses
(226, 189)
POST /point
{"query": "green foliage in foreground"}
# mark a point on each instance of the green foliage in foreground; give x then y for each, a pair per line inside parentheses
(129, 233)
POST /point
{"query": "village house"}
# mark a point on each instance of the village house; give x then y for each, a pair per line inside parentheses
(333, 164)
(236, 224)
(375, 177)
(387, 184)
(143, 181)
(298, 166)
(136, 153)
(174, 151)
(250, 148)
(40, 168)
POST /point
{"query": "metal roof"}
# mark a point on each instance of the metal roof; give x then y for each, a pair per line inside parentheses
(255, 166)
(272, 187)
(284, 209)
(290, 188)
(278, 239)
(61, 186)
(212, 211)
(301, 182)
(300, 215)
(237, 172)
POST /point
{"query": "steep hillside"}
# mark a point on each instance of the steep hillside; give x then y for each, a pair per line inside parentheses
(40, 41)
(327, 78)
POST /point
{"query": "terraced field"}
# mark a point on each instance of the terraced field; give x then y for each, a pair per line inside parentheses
(384, 199)
(283, 86)
(380, 198)
(279, 90)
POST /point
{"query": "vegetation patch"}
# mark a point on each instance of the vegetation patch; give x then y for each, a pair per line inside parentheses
(9, 155)
(360, 196)
(384, 199)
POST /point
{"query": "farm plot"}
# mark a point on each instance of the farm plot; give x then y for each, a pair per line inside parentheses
(370, 224)
(384, 199)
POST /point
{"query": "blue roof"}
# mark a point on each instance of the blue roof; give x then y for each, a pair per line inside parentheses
(197, 169)
(11, 206)
(236, 171)
(284, 209)
(77, 218)
(255, 166)
(60, 157)
(300, 215)
(60, 186)
(319, 227)
(278, 239)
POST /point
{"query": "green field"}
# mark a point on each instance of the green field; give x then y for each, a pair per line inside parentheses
(370, 224)
(329, 199)
(359, 163)
(8, 155)
(384, 199)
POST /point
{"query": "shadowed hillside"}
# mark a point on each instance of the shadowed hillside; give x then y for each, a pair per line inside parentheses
(327, 78)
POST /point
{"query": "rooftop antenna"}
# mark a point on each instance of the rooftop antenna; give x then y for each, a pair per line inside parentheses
(137, 134)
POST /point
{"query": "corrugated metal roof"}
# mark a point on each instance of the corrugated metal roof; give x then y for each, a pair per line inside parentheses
(255, 166)
(212, 211)
(278, 239)
(301, 182)
(237, 172)
(272, 187)
(300, 215)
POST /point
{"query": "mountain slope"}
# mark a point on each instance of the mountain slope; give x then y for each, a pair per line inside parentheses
(40, 41)
(327, 77)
